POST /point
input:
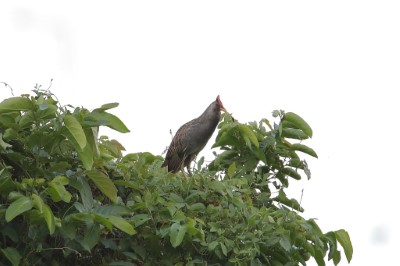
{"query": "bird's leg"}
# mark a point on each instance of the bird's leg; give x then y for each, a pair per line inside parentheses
(183, 169)
(188, 168)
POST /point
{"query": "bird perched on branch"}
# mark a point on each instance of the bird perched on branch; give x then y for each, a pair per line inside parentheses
(191, 138)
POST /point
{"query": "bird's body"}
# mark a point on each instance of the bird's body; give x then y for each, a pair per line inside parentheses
(191, 138)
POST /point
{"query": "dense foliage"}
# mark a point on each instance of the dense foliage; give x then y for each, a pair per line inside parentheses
(68, 196)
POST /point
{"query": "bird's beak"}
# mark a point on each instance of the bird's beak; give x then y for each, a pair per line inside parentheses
(223, 109)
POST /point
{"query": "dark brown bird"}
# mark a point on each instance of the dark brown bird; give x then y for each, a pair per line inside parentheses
(191, 138)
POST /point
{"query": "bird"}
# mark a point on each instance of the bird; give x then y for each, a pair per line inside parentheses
(192, 137)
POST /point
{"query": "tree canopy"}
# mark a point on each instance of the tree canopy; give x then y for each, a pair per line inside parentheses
(69, 196)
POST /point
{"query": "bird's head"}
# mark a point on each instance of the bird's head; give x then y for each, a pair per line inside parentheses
(220, 105)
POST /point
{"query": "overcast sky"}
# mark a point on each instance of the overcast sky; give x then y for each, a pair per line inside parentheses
(334, 63)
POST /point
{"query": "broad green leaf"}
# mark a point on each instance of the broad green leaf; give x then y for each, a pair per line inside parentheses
(122, 224)
(212, 245)
(140, 219)
(299, 122)
(106, 106)
(19, 206)
(231, 169)
(177, 233)
(49, 218)
(57, 190)
(12, 255)
(76, 130)
(37, 202)
(246, 132)
(102, 220)
(303, 148)
(86, 155)
(86, 193)
(105, 119)
(319, 257)
(291, 203)
(224, 249)
(285, 244)
(198, 206)
(103, 183)
(15, 104)
(293, 133)
(91, 237)
(3, 144)
(91, 137)
(291, 172)
(344, 239)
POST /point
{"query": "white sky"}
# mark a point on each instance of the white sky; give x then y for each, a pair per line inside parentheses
(334, 63)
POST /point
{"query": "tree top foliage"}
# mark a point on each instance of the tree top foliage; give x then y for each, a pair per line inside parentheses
(69, 196)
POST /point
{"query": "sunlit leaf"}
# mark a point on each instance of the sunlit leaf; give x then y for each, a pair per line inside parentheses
(49, 218)
(105, 119)
(344, 239)
(76, 130)
(304, 148)
(103, 183)
(18, 207)
(246, 132)
(106, 106)
(15, 104)
(299, 122)
(37, 202)
(122, 224)
(293, 133)
(57, 189)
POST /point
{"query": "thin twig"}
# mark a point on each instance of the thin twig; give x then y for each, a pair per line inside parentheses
(6, 85)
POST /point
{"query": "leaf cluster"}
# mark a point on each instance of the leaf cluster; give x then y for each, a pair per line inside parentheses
(69, 196)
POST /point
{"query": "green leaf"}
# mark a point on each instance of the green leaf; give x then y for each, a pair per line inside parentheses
(57, 190)
(15, 104)
(231, 169)
(196, 207)
(293, 133)
(12, 255)
(76, 130)
(105, 119)
(19, 206)
(285, 244)
(49, 218)
(3, 144)
(6, 184)
(91, 237)
(103, 183)
(299, 122)
(248, 134)
(291, 172)
(344, 239)
(106, 106)
(102, 220)
(122, 224)
(319, 257)
(92, 136)
(177, 233)
(303, 148)
(37, 202)
(224, 249)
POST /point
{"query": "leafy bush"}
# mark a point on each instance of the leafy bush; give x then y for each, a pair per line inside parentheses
(68, 196)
